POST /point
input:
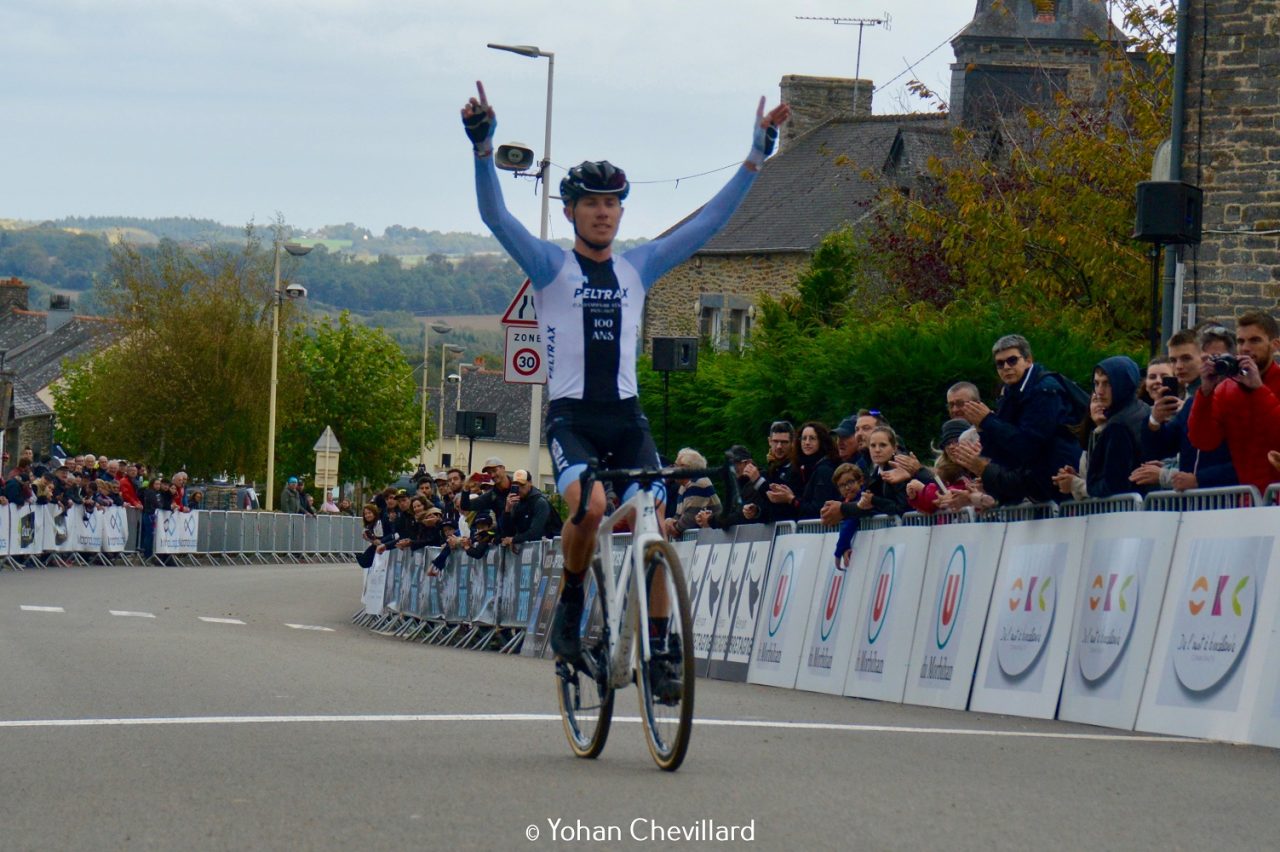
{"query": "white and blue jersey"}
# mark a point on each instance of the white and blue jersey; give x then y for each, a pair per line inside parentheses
(590, 312)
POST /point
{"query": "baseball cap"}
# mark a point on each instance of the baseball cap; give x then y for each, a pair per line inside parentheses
(520, 477)
(492, 461)
(401, 492)
(434, 510)
(847, 427)
(293, 480)
(483, 518)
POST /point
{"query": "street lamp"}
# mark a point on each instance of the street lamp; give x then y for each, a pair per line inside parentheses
(456, 379)
(293, 291)
(535, 401)
(438, 328)
(444, 349)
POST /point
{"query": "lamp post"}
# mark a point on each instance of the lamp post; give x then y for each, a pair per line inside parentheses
(293, 291)
(535, 401)
(444, 349)
(438, 328)
(456, 379)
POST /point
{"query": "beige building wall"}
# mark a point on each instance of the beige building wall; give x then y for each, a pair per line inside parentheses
(673, 306)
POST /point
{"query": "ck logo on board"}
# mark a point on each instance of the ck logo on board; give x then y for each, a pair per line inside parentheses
(950, 594)
(782, 597)
(881, 594)
(1213, 623)
(1024, 625)
(1106, 622)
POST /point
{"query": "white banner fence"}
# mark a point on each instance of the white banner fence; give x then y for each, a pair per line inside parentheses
(1158, 615)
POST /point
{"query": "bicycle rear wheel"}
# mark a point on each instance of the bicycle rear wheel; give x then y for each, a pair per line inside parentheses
(586, 698)
(666, 708)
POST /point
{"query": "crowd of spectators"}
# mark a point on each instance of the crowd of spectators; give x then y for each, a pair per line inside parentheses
(455, 512)
(1205, 415)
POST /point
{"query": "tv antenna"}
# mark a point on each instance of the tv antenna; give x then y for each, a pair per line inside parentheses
(861, 23)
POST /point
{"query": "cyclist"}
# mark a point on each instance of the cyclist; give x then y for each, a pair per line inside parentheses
(589, 304)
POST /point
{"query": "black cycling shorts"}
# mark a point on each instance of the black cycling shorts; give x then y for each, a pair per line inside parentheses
(615, 434)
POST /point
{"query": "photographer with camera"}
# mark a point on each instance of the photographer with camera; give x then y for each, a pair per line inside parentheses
(1165, 436)
(1239, 401)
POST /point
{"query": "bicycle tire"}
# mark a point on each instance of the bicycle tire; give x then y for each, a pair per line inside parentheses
(586, 703)
(668, 726)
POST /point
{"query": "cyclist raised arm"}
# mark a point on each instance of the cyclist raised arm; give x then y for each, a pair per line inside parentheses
(590, 303)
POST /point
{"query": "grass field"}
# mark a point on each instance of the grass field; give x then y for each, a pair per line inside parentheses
(475, 322)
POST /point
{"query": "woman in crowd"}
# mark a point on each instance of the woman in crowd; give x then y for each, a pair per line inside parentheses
(374, 534)
(813, 464)
(951, 475)
(882, 496)
(1111, 434)
(694, 497)
(1157, 369)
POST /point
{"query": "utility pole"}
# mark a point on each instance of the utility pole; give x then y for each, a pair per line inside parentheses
(860, 23)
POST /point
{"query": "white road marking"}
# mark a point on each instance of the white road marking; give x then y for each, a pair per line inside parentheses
(221, 620)
(124, 613)
(309, 627)
(26, 608)
(552, 717)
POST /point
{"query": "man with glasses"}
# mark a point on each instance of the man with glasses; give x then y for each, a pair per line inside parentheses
(1028, 434)
(1239, 401)
(957, 395)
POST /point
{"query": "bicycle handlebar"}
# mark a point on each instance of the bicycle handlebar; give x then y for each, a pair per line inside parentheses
(646, 476)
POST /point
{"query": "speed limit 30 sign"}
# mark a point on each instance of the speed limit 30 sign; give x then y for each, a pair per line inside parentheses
(526, 362)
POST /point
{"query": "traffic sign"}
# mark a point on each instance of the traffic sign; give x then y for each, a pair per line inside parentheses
(526, 360)
(520, 313)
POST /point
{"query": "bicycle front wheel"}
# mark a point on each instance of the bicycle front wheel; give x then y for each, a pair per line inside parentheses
(586, 698)
(666, 680)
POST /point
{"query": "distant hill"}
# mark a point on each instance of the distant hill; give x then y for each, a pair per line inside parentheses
(404, 269)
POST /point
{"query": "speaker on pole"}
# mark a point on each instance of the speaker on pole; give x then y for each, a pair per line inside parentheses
(1169, 212)
(675, 354)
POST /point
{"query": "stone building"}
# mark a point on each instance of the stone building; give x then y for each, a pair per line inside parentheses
(34, 345)
(833, 159)
(482, 389)
(1232, 151)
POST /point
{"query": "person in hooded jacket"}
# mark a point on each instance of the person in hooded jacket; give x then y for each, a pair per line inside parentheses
(1112, 435)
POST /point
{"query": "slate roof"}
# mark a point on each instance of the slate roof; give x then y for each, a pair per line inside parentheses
(816, 184)
(26, 403)
(17, 327)
(486, 390)
(38, 360)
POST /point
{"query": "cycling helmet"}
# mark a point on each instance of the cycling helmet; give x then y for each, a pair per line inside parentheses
(588, 178)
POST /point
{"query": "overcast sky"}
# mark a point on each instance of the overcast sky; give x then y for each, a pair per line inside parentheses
(330, 111)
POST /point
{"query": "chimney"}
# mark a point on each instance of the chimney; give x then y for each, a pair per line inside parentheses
(13, 295)
(814, 100)
(60, 313)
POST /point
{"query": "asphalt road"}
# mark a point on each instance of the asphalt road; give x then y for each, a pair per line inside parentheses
(121, 731)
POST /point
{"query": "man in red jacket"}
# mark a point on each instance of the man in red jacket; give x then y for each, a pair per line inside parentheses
(1243, 407)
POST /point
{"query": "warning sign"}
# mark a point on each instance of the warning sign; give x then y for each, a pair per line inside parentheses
(526, 362)
(521, 312)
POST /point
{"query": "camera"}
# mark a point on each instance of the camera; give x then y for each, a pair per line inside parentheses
(1225, 366)
(295, 291)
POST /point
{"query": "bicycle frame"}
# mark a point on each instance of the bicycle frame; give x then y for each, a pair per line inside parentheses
(621, 632)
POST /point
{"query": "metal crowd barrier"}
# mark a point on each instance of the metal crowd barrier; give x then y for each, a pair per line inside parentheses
(965, 515)
(1204, 499)
(1101, 505)
(1021, 512)
(225, 538)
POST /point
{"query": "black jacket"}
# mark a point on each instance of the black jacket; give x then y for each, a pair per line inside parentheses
(1029, 435)
(527, 521)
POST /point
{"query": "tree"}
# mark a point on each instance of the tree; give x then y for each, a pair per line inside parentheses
(186, 386)
(1040, 211)
(356, 380)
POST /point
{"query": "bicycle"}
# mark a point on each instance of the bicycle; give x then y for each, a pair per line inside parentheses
(614, 610)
